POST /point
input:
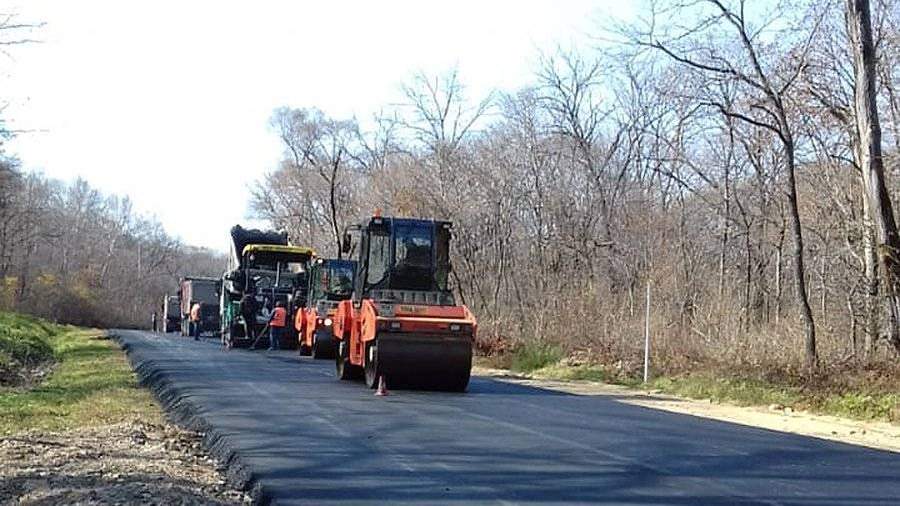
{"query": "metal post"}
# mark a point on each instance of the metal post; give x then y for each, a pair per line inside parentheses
(647, 337)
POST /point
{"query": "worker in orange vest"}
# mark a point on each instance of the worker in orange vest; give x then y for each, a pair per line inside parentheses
(195, 321)
(277, 322)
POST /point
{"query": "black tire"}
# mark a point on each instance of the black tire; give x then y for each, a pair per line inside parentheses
(371, 368)
(305, 351)
(344, 369)
(459, 385)
(321, 349)
(342, 365)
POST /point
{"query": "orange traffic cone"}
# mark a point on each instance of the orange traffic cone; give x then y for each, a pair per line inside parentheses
(382, 387)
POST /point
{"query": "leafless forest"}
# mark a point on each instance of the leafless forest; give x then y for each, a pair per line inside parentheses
(719, 153)
(72, 254)
(738, 161)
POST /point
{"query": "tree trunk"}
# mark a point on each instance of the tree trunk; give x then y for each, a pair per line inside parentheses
(332, 201)
(859, 30)
(870, 272)
(810, 355)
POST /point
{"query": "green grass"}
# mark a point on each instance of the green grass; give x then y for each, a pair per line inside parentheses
(23, 344)
(862, 403)
(92, 384)
(564, 372)
(739, 391)
(531, 356)
(864, 406)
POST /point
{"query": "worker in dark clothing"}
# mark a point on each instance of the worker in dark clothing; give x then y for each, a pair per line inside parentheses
(277, 322)
(153, 320)
(248, 313)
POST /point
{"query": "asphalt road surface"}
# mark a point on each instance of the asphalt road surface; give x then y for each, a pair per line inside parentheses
(312, 439)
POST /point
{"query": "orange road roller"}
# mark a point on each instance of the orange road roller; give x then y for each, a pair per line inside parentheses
(330, 281)
(402, 323)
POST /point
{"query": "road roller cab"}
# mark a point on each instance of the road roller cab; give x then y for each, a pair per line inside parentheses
(401, 321)
(330, 281)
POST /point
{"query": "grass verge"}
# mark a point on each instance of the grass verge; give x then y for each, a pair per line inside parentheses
(864, 403)
(532, 356)
(23, 346)
(878, 402)
(91, 385)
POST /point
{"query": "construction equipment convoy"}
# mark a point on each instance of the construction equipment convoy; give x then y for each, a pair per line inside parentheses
(204, 291)
(171, 313)
(330, 281)
(263, 269)
(401, 323)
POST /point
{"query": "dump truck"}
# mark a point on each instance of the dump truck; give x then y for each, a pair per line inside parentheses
(263, 269)
(171, 311)
(330, 281)
(402, 324)
(203, 291)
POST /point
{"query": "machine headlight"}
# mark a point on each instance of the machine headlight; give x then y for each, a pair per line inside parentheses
(454, 327)
(327, 322)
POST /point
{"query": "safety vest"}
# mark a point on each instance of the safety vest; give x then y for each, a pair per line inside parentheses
(279, 317)
(195, 313)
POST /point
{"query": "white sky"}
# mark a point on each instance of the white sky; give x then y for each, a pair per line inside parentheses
(168, 101)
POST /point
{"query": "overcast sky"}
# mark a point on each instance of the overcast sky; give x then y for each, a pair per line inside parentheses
(168, 101)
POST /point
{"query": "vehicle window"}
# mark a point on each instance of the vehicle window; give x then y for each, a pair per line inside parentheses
(413, 268)
(413, 247)
(379, 258)
(340, 280)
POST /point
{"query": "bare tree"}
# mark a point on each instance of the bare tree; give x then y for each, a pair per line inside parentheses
(323, 145)
(859, 29)
(766, 86)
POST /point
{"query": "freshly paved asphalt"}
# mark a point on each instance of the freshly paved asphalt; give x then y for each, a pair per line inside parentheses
(312, 439)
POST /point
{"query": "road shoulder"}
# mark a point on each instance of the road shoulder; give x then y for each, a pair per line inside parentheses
(877, 435)
(87, 433)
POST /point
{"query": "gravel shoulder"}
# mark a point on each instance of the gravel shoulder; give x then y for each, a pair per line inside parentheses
(124, 463)
(878, 435)
(87, 433)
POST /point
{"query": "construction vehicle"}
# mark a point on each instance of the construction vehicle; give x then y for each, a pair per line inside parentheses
(330, 281)
(203, 291)
(263, 269)
(171, 311)
(402, 324)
